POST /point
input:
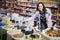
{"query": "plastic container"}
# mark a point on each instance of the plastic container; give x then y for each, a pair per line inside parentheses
(2, 24)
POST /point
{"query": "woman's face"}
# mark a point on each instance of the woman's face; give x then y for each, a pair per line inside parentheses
(40, 7)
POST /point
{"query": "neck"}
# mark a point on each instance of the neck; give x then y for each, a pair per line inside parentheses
(41, 10)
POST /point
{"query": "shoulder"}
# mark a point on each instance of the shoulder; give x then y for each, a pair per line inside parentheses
(36, 12)
(48, 11)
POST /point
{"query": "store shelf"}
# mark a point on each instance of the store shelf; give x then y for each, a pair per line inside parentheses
(28, 6)
(10, 2)
(52, 7)
(25, 15)
(51, 3)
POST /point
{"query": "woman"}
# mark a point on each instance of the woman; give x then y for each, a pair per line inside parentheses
(44, 15)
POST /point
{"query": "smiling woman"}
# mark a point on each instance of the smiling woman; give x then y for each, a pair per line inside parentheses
(42, 11)
(44, 15)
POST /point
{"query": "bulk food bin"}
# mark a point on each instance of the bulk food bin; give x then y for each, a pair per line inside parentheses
(44, 36)
(19, 36)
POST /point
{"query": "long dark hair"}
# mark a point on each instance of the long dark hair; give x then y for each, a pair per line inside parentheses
(44, 9)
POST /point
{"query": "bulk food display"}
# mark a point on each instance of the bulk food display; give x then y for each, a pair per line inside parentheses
(53, 33)
(19, 36)
(50, 34)
(18, 16)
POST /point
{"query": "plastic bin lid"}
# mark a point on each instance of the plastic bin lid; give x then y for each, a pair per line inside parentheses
(2, 24)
